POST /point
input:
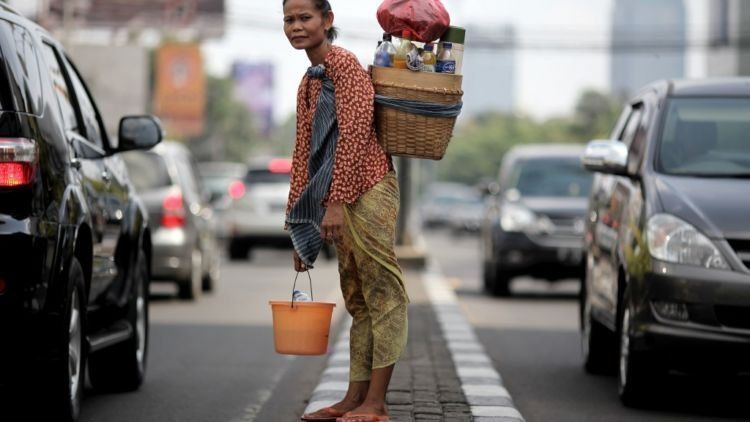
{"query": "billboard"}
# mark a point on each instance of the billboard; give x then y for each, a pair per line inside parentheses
(180, 89)
(253, 87)
(204, 16)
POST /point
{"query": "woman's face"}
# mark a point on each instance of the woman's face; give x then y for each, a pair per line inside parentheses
(304, 25)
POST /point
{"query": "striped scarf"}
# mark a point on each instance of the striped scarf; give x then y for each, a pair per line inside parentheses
(307, 213)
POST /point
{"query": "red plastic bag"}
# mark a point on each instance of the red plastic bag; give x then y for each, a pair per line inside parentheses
(426, 19)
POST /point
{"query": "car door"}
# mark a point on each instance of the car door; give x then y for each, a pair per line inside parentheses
(115, 193)
(609, 200)
(87, 152)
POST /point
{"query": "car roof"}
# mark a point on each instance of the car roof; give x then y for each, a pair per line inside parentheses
(708, 87)
(545, 150)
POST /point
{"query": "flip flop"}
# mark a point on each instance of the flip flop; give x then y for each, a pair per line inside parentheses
(330, 415)
(363, 418)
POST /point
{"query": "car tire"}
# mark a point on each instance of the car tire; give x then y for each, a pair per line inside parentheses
(122, 367)
(190, 288)
(637, 374)
(211, 278)
(487, 276)
(597, 342)
(501, 284)
(329, 251)
(238, 251)
(65, 372)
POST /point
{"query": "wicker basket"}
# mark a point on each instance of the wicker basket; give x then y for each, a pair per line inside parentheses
(411, 135)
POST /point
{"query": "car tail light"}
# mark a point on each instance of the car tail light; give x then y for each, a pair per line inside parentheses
(18, 161)
(280, 165)
(173, 210)
(237, 189)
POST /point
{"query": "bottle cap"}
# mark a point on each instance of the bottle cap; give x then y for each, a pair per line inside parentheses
(455, 35)
(447, 45)
(428, 47)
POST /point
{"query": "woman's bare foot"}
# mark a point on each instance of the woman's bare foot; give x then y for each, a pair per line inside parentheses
(367, 409)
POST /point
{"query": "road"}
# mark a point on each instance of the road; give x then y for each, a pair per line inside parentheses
(533, 340)
(213, 360)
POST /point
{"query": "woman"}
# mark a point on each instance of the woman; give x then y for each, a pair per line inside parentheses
(344, 190)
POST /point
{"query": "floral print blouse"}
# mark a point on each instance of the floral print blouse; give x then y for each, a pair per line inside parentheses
(360, 162)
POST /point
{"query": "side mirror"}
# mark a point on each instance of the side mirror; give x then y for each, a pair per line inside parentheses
(606, 156)
(138, 133)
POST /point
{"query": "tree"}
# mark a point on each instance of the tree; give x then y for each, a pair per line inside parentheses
(478, 147)
(229, 133)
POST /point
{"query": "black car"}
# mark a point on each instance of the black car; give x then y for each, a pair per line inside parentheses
(74, 240)
(667, 283)
(533, 222)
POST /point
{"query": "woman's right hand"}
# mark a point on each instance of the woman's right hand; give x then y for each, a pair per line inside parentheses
(299, 266)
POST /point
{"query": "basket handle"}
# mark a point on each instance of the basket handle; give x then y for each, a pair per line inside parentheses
(294, 287)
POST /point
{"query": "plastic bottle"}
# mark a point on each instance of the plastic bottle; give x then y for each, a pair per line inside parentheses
(300, 296)
(457, 37)
(445, 61)
(404, 49)
(382, 58)
(428, 58)
(388, 45)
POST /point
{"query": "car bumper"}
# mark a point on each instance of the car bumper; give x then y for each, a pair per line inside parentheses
(711, 332)
(172, 254)
(546, 257)
(255, 229)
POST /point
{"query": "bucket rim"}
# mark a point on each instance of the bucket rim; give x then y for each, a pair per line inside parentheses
(288, 303)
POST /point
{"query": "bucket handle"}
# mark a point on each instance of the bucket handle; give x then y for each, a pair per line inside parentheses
(312, 297)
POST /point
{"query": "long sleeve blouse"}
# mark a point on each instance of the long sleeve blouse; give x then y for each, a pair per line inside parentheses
(360, 161)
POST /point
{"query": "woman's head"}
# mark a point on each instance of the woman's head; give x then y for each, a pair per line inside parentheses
(308, 23)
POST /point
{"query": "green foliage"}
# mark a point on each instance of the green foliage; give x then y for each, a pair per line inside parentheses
(477, 149)
(229, 133)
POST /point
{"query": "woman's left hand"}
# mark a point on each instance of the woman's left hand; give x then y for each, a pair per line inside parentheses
(332, 227)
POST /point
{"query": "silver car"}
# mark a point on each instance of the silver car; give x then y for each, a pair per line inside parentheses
(184, 245)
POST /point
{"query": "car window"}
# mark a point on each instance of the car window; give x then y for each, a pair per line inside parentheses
(631, 129)
(550, 177)
(61, 89)
(146, 170)
(19, 55)
(88, 110)
(190, 187)
(266, 176)
(706, 137)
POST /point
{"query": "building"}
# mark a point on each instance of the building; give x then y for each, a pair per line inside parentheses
(648, 43)
(729, 53)
(491, 87)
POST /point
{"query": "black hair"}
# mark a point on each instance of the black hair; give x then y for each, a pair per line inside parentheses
(324, 6)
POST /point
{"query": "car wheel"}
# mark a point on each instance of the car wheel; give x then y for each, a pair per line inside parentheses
(487, 276)
(597, 343)
(329, 251)
(122, 367)
(66, 371)
(190, 288)
(501, 282)
(238, 251)
(211, 278)
(637, 374)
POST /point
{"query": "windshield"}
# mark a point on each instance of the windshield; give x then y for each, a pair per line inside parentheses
(550, 177)
(706, 137)
(146, 170)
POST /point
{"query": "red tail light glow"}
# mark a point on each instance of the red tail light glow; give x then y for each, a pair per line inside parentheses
(18, 162)
(173, 211)
(237, 189)
(280, 165)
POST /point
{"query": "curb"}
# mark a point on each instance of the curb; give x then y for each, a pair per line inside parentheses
(482, 385)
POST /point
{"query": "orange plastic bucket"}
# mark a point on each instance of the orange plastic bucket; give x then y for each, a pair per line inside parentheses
(302, 329)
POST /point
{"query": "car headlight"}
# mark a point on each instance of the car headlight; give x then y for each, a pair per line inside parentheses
(671, 239)
(517, 218)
